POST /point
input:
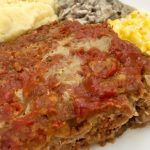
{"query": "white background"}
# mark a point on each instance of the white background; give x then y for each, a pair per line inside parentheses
(137, 139)
(140, 4)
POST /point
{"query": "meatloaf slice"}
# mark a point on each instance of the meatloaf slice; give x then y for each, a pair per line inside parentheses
(67, 85)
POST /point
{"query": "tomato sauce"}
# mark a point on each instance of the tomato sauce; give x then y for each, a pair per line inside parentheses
(107, 78)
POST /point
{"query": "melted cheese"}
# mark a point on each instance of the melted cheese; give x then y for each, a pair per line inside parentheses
(67, 70)
(102, 44)
(147, 79)
(19, 94)
(60, 50)
(2, 124)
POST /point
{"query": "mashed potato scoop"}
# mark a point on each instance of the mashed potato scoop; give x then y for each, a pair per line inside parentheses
(17, 17)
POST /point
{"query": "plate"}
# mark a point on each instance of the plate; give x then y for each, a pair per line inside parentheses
(143, 5)
(132, 139)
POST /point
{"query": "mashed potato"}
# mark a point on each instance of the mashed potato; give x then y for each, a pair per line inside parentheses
(134, 28)
(20, 16)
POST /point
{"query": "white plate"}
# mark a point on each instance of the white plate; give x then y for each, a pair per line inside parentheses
(139, 4)
(135, 139)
